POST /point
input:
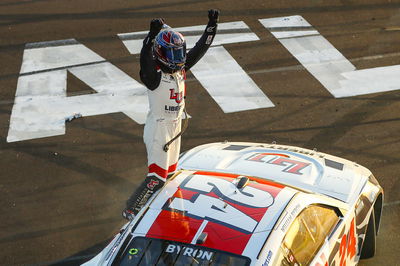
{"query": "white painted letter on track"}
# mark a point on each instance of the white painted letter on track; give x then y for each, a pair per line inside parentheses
(41, 105)
(337, 74)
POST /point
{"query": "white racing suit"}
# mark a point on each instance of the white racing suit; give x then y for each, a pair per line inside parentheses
(164, 123)
(167, 101)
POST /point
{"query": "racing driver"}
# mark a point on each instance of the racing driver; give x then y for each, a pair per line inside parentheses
(163, 66)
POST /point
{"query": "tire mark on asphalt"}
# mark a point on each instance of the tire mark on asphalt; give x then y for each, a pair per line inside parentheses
(40, 233)
(371, 155)
(112, 131)
(326, 138)
(296, 129)
(127, 13)
(96, 173)
(259, 130)
(76, 147)
(394, 203)
(22, 2)
(376, 157)
(79, 257)
(75, 260)
(252, 134)
(121, 13)
(389, 143)
(103, 150)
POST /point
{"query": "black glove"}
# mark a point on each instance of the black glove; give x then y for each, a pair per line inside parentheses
(213, 15)
(156, 25)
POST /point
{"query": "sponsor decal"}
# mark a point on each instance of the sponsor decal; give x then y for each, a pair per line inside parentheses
(209, 39)
(268, 259)
(290, 217)
(210, 29)
(172, 108)
(152, 183)
(290, 165)
(133, 251)
(177, 96)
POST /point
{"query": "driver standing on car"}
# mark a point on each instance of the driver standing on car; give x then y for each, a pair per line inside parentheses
(163, 66)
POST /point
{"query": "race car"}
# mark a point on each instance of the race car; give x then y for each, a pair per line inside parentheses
(254, 204)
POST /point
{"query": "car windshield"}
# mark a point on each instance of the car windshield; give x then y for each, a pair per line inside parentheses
(149, 251)
(306, 235)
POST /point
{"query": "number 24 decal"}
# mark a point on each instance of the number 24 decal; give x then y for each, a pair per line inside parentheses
(218, 209)
(348, 245)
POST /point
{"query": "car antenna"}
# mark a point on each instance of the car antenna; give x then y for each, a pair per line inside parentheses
(243, 181)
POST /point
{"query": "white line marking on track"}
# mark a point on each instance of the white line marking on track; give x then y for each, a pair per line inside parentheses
(339, 76)
(227, 83)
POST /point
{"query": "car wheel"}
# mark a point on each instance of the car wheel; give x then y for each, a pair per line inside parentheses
(368, 248)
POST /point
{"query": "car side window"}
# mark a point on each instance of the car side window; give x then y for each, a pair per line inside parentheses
(306, 235)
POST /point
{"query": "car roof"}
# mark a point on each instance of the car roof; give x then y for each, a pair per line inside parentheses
(198, 203)
(297, 167)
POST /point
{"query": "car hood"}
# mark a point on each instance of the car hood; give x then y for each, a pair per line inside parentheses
(301, 168)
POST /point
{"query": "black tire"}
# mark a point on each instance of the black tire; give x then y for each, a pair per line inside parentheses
(368, 247)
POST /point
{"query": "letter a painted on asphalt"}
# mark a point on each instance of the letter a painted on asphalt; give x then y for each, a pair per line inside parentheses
(41, 104)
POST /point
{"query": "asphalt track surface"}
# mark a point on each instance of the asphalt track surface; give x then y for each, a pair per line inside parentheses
(61, 196)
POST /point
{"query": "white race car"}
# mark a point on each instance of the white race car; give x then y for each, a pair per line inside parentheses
(254, 204)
